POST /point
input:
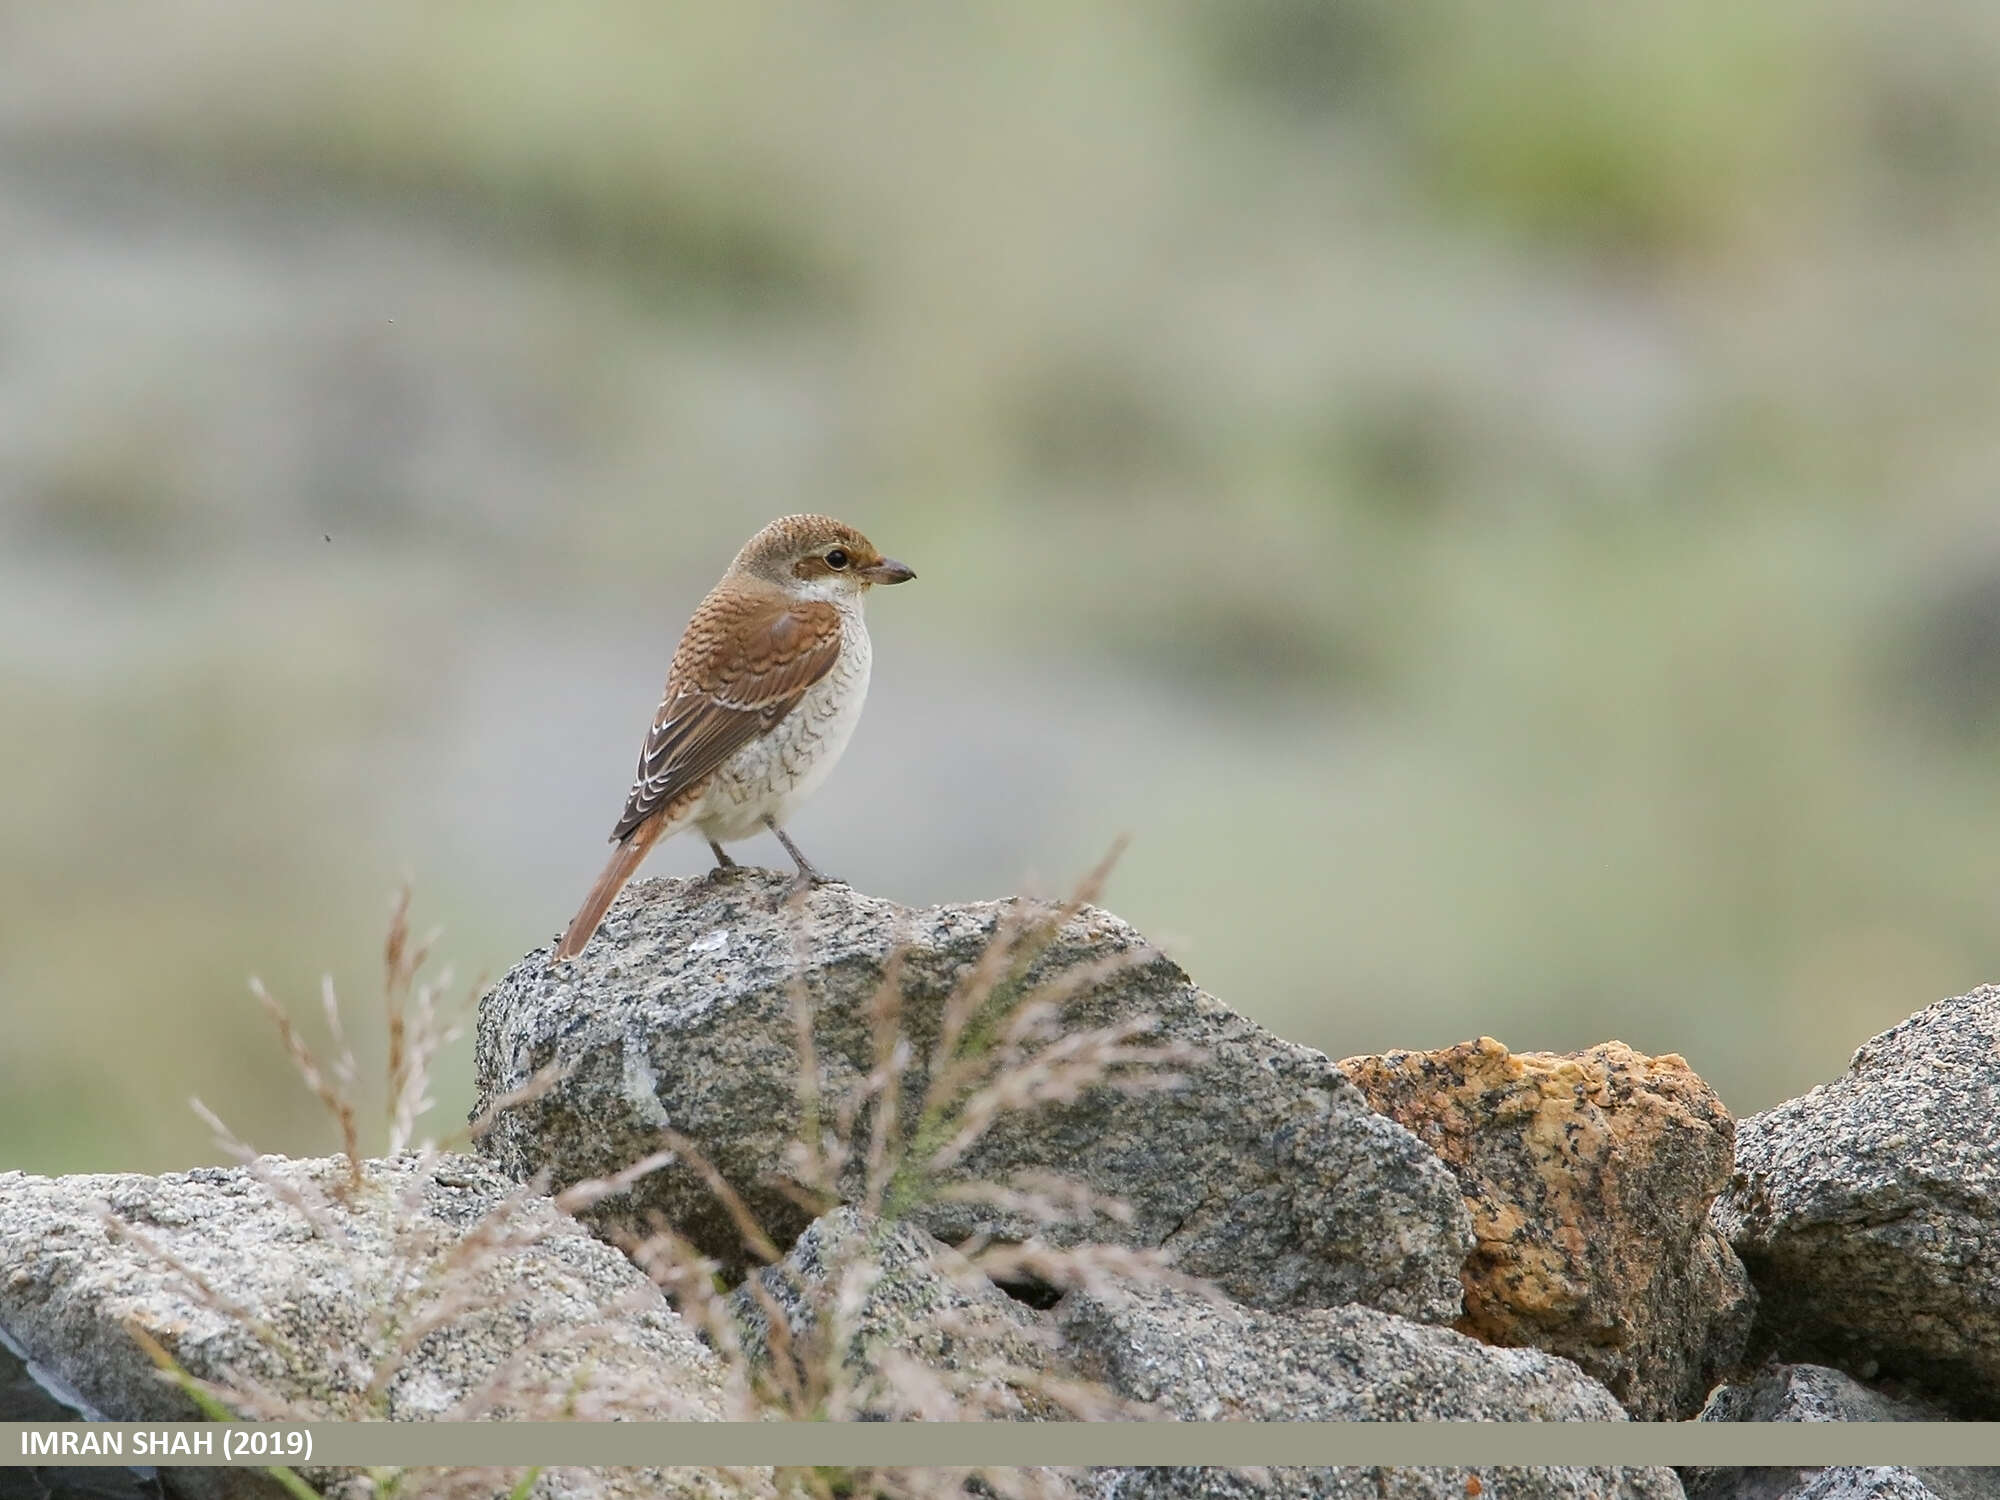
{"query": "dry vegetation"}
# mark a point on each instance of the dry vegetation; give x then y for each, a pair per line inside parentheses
(1002, 1048)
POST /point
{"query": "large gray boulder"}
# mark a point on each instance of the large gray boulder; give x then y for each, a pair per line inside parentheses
(1814, 1393)
(429, 1291)
(1357, 1483)
(1267, 1171)
(1144, 1349)
(1868, 1211)
(1868, 1484)
(925, 1335)
(1204, 1360)
(1201, 1360)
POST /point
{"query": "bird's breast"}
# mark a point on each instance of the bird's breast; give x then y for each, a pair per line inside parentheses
(777, 771)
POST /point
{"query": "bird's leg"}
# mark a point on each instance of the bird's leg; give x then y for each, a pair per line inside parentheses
(807, 876)
(724, 865)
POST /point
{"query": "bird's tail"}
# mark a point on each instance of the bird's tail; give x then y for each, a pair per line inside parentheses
(625, 859)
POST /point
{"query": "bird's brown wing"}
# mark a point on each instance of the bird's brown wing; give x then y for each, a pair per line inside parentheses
(741, 666)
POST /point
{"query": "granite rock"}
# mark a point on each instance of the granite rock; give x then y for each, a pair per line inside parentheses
(967, 1350)
(1814, 1393)
(1403, 1483)
(1201, 1360)
(311, 1297)
(1868, 1210)
(1266, 1170)
(1589, 1176)
(1867, 1484)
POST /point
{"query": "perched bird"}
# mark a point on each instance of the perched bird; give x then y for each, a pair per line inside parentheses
(763, 694)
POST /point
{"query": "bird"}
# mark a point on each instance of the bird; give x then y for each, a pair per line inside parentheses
(763, 695)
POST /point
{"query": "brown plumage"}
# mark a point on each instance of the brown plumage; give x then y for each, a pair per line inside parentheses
(761, 697)
(747, 656)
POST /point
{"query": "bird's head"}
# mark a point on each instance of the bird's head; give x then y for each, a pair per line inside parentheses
(817, 557)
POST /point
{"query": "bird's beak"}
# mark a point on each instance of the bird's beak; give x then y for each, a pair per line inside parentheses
(888, 570)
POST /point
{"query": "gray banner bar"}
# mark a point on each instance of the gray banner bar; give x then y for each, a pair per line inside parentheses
(1467, 1444)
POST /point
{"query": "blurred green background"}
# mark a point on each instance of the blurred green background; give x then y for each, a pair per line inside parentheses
(1498, 500)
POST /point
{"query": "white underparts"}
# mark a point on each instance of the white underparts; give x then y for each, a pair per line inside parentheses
(774, 774)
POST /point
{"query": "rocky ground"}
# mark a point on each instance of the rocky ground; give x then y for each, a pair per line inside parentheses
(998, 1161)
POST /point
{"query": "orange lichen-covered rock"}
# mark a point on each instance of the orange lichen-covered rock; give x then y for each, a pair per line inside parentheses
(1589, 1176)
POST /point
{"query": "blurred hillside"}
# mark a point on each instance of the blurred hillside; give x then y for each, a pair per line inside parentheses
(1499, 501)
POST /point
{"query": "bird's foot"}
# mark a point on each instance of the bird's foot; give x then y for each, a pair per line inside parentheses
(808, 877)
(725, 867)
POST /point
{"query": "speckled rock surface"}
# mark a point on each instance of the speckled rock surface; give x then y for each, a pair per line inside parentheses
(1868, 1210)
(1497, 1483)
(1867, 1484)
(1814, 1393)
(679, 1483)
(1589, 1177)
(979, 1349)
(1204, 1361)
(1267, 1172)
(1216, 1362)
(551, 1323)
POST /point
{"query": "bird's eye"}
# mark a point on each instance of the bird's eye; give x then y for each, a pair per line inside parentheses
(837, 558)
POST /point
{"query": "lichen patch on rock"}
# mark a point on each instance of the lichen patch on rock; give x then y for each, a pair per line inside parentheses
(1589, 1177)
